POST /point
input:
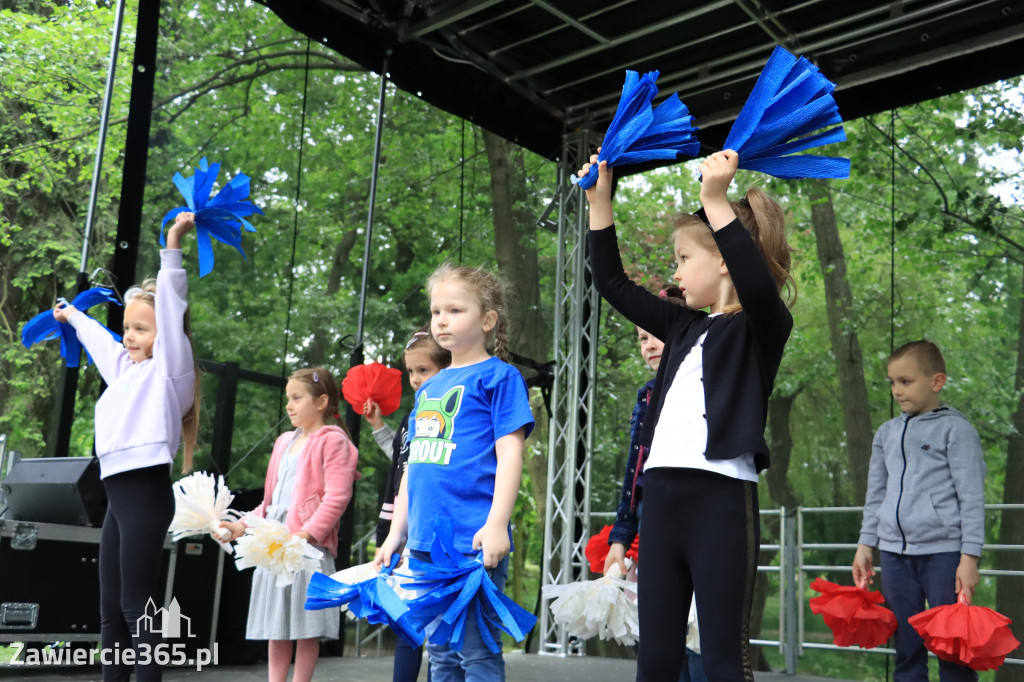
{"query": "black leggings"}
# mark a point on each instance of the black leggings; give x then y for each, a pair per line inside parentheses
(699, 534)
(140, 506)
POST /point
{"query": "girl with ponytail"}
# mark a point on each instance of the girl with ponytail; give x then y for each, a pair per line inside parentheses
(150, 407)
(466, 441)
(702, 443)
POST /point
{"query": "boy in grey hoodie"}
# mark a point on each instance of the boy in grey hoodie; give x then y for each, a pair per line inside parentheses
(924, 507)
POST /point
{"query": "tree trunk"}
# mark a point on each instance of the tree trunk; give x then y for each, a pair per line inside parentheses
(1009, 595)
(321, 341)
(853, 390)
(780, 407)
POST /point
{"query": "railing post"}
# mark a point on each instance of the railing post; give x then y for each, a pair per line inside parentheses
(789, 584)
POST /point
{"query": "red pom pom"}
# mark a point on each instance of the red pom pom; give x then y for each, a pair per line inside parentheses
(382, 385)
(853, 614)
(597, 550)
(974, 636)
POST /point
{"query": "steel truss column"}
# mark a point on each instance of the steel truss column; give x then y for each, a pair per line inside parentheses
(571, 432)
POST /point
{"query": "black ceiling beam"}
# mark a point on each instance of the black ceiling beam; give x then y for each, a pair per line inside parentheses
(880, 57)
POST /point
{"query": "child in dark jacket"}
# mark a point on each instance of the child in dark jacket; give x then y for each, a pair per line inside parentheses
(924, 507)
(627, 518)
(701, 461)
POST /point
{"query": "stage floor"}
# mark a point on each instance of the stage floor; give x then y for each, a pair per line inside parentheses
(519, 668)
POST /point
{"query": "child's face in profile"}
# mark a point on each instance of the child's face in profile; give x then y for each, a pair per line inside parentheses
(913, 388)
(304, 410)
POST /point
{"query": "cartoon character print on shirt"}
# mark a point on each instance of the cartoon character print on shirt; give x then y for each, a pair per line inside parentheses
(435, 425)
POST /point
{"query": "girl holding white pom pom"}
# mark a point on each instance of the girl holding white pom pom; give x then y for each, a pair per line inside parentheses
(701, 461)
(308, 486)
(152, 400)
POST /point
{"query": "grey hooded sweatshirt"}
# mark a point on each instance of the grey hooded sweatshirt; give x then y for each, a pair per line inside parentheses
(926, 486)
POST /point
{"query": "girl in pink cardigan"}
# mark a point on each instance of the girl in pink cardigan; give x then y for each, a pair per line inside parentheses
(309, 484)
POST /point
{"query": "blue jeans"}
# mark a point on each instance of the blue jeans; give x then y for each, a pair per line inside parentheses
(407, 662)
(693, 671)
(475, 663)
(907, 582)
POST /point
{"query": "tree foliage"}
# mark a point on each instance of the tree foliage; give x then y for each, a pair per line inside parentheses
(931, 248)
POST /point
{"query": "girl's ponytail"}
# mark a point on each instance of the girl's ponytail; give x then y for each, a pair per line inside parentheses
(765, 221)
(190, 420)
(501, 339)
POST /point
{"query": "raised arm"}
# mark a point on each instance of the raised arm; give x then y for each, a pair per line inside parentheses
(638, 305)
(110, 356)
(172, 348)
(748, 270)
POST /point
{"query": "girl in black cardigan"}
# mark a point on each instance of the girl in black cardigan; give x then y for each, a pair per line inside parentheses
(700, 514)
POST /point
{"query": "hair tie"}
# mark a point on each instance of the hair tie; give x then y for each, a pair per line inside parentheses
(316, 378)
(663, 293)
(415, 338)
(337, 416)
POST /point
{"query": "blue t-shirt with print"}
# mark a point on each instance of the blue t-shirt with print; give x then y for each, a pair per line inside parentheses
(460, 412)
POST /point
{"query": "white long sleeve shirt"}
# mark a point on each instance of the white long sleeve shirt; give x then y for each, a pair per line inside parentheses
(138, 417)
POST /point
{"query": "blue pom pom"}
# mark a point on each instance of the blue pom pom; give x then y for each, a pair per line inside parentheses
(44, 326)
(790, 100)
(459, 588)
(373, 599)
(639, 133)
(221, 217)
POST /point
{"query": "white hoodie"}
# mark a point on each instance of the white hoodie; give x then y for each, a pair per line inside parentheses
(138, 417)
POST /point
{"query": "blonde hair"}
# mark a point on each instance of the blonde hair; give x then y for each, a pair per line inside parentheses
(491, 293)
(190, 420)
(765, 221)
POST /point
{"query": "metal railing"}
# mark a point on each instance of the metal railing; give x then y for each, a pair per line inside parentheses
(374, 632)
(792, 569)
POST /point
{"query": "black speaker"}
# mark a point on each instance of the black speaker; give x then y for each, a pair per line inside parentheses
(63, 490)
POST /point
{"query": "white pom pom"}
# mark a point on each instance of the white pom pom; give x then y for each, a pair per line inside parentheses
(268, 544)
(604, 608)
(200, 503)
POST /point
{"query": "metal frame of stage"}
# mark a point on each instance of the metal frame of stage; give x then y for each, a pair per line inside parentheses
(571, 427)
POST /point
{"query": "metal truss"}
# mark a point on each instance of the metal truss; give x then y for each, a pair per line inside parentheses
(571, 432)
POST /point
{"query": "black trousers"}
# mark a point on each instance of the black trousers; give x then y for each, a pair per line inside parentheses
(140, 506)
(700, 535)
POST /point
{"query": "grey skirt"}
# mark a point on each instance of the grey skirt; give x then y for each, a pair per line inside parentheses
(279, 612)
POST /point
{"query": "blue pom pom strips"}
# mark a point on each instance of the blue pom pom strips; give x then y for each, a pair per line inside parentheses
(639, 133)
(221, 217)
(44, 327)
(791, 99)
(373, 599)
(459, 588)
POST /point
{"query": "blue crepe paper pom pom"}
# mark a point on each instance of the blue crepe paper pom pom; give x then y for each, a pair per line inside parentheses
(790, 100)
(639, 133)
(44, 326)
(459, 588)
(221, 217)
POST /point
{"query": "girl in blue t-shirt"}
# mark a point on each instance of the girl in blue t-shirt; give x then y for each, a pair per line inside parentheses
(465, 450)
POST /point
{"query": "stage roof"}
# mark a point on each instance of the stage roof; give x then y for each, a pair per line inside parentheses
(530, 70)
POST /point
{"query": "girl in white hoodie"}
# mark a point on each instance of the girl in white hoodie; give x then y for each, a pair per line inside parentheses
(151, 399)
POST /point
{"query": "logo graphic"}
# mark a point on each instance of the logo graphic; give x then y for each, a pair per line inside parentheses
(435, 426)
(165, 621)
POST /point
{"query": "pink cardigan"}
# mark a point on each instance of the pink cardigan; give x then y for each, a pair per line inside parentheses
(323, 484)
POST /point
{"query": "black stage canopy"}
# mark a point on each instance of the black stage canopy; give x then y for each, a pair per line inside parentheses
(531, 70)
